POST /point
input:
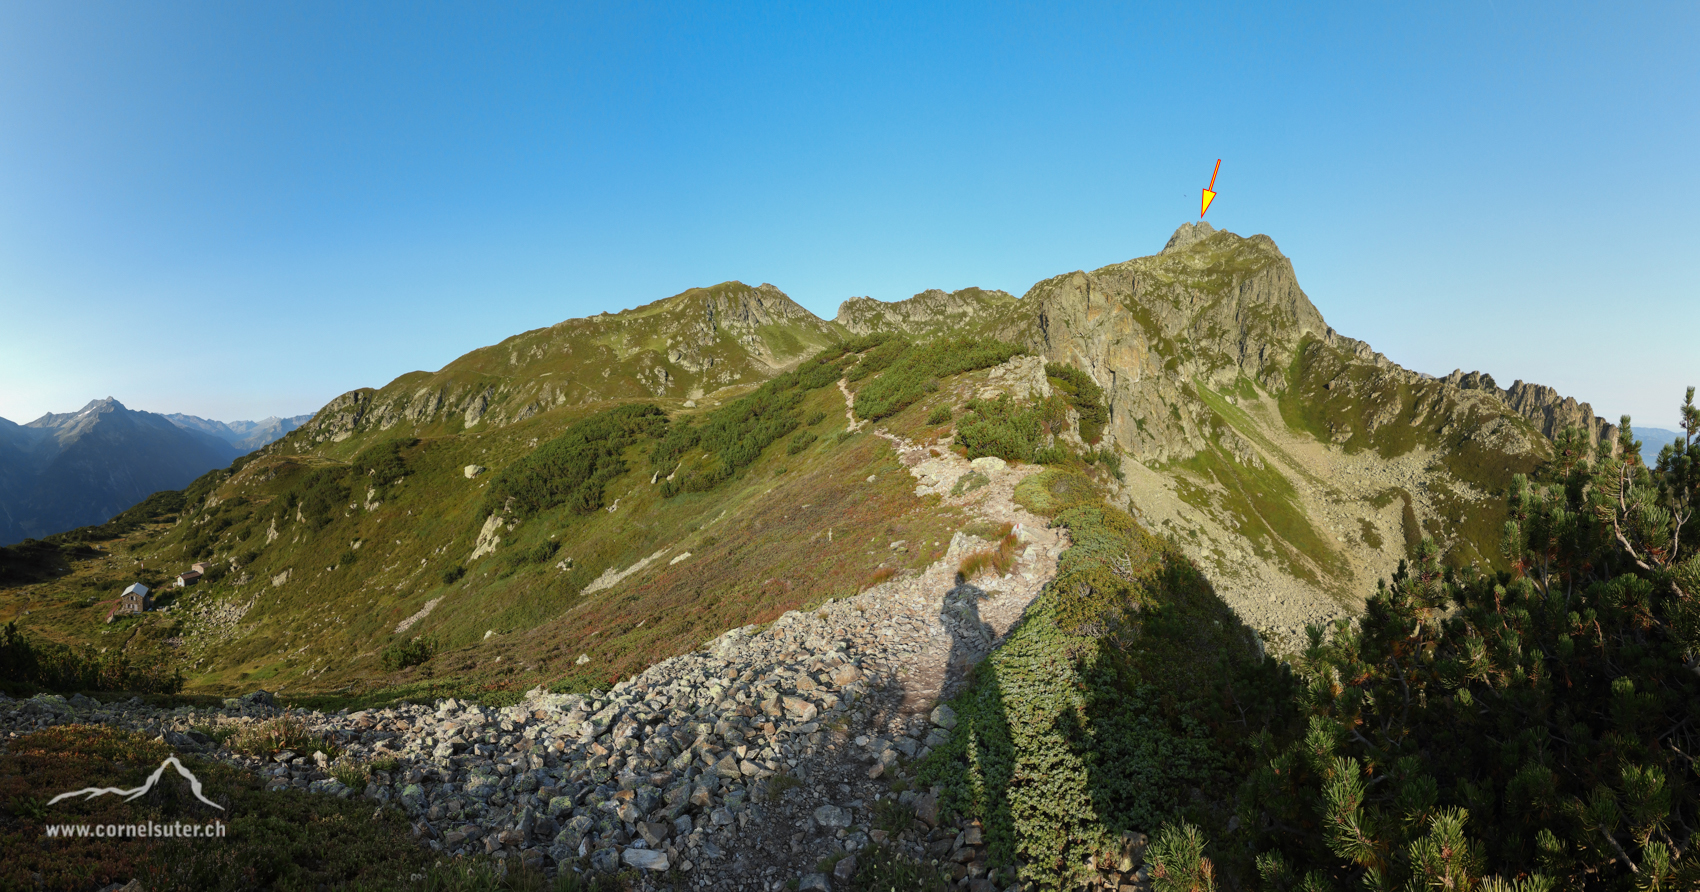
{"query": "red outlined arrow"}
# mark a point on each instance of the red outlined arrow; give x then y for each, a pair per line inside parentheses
(1210, 195)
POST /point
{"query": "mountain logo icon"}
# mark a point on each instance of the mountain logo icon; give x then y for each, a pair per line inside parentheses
(92, 792)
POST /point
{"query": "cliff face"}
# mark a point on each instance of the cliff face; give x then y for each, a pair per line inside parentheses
(1290, 460)
(1212, 308)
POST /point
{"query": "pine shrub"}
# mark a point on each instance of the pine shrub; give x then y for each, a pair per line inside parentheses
(573, 469)
(916, 373)
(403, 654)
(1085, 395)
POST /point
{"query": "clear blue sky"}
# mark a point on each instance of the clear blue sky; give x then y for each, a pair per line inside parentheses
(237, 210)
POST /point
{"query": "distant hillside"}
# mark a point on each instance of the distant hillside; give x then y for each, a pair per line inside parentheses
(244, 435)
(1652, 440)
(63, 471)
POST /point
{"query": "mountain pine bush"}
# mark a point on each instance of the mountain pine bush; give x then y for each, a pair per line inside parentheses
(916, 373)
(575, 467)
(1531, 729)
(1085, 395)
(1014, 431)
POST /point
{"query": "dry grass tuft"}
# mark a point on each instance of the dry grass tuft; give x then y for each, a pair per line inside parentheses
(879, 576)
(1000, 557)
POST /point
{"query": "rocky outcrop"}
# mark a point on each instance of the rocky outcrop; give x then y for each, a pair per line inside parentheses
(1545, 407)
(1212, 308)
(930, 313)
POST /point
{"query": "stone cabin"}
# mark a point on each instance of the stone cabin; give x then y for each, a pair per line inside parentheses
(187, 577)
(201, 567)
(134, 600)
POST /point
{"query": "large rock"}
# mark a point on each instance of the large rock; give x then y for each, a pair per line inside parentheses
(645, 859)
(831, 817)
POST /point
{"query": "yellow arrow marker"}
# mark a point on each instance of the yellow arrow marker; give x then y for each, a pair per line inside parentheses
(1209, 194)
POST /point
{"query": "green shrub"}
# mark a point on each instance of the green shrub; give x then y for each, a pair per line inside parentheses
(453, 574)
(1085, 395)
(381, 463)
(1127, 686)
(892, 816)
(321, 496)
(27, 665)
(778, 784)
(403, 654)
(916, 373)
(882, 868)
(1014, 431)
(1054, 490)
(735, 435)
(574, 468)
(540, 553)
(814, 417)
(800, 441)
(1518, 729)
(878, 359)
(349, 774)
(939, 415)
(969, 482)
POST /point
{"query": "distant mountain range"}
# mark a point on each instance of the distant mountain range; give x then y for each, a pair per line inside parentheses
(63, 471)
(244, 435)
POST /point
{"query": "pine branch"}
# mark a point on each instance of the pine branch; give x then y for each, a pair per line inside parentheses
(1619, 849)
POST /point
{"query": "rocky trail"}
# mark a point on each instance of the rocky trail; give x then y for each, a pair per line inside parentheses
(747, 765)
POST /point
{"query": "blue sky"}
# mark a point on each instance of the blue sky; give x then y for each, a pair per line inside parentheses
(237, 210)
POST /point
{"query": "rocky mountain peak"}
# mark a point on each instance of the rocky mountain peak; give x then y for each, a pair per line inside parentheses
(1188, 235)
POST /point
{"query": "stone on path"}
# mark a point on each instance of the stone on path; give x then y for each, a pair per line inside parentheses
(645, 859)
(832, 817)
